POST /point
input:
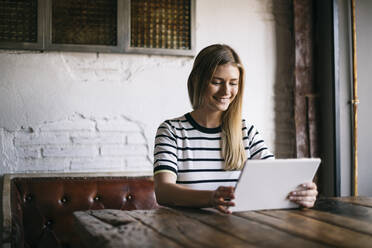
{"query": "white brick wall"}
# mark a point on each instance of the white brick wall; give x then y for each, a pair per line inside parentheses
(8, 152)
(123, 150)
(49, 138)
(70, 151)
(33, 152)
(37, 87)
(117, 126)
(98, 138)
(97, 164)
(137, 163)
(44, 164)
(69, 125)
(136, 138)
(76, 144)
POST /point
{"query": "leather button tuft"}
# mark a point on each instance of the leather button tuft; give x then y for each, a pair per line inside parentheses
(28, 198)
(129, 197)
(64, 199)
(49, 224)
(97, 198)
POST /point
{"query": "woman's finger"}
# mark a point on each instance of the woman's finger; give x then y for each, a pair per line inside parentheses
(302, 198)
(306, 204)
(223, 209)
(303, 203)
(223, 202)
(309, 185)
(225, 190)
(226, 194)
(304, 193)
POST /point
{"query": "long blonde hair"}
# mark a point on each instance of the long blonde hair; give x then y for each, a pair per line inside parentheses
(205, 64)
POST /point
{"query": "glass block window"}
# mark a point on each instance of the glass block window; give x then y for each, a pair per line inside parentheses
(162, 27)
(88, 22)
(161, 24)
(18, 20)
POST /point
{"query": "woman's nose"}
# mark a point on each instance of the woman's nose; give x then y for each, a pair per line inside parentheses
(225, 88)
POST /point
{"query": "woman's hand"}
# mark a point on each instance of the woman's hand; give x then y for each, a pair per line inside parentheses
(221, 199)
(306, 196)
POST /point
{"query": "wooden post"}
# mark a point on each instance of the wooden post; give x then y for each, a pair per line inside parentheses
(355, 103)
(305, 95)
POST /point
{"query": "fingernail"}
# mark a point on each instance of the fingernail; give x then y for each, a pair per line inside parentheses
(293, 193)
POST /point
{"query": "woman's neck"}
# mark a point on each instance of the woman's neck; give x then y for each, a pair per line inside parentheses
(207, 119)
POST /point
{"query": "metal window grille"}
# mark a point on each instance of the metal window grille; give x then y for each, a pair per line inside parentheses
(161, 24)
(88, 22)
(18, 20)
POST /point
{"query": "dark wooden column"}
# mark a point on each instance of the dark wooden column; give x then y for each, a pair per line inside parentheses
(305, 96)
(316, 88)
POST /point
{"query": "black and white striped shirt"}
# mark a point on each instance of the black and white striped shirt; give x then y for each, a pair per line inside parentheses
(193, 153)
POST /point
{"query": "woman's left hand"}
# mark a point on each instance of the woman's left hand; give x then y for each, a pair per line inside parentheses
(305, 196)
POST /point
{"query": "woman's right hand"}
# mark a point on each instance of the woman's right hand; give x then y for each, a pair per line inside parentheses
(221, 199)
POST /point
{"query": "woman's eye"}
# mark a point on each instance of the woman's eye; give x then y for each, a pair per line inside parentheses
(215, 82)
(234, 83)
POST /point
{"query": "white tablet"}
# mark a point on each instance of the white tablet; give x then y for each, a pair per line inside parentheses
(265, 184)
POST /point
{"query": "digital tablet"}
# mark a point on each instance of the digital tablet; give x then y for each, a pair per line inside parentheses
(265, 184)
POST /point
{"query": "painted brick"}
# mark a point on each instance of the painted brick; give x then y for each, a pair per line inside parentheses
(141, 163)
(78, 125)
(7, 152)
(98, 138)
(32, 152)
(136, 138)
(97, 164)
(27, 139)
(70, 151)
(30, 165)
(117, 126)
(123, 150)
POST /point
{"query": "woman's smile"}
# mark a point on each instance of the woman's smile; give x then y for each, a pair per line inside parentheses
(223, 100)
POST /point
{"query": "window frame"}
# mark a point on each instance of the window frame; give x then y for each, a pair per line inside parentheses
(162, 51)
(44, 36)
(39, 45)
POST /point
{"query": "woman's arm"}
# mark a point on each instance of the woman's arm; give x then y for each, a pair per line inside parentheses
(256, 145)
(171, 194)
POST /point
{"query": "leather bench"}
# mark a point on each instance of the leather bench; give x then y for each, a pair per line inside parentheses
(37, 209)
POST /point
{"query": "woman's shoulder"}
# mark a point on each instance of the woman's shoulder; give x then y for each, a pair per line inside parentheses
(181, 118)
(176, 122)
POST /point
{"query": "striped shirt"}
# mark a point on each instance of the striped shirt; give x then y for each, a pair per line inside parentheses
(193, 153)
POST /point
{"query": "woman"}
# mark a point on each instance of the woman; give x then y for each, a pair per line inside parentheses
(198, 156)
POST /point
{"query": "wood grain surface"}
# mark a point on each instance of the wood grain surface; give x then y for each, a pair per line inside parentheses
(359, 200)
(333, 222)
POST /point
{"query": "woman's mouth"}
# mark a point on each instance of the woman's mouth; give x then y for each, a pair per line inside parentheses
(222, 99)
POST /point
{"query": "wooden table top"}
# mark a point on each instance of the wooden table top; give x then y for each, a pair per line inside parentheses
(333, 222)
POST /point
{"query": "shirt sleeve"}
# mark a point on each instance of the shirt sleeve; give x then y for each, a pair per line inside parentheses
(165, 150)
(256, 145)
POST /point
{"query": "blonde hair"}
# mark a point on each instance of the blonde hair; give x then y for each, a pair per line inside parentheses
(205, 64)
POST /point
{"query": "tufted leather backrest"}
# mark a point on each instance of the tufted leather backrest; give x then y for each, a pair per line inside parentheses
(42, 207)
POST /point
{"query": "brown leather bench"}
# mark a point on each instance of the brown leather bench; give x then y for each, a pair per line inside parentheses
(37, 209)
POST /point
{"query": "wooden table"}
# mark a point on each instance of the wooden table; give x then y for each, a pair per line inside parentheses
(333, 222)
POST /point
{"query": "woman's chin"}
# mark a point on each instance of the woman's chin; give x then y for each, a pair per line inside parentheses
(222, 108)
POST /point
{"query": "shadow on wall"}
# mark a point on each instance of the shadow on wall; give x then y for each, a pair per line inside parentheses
(285, 136)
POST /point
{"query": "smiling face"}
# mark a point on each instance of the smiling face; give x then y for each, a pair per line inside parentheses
(222, 89)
